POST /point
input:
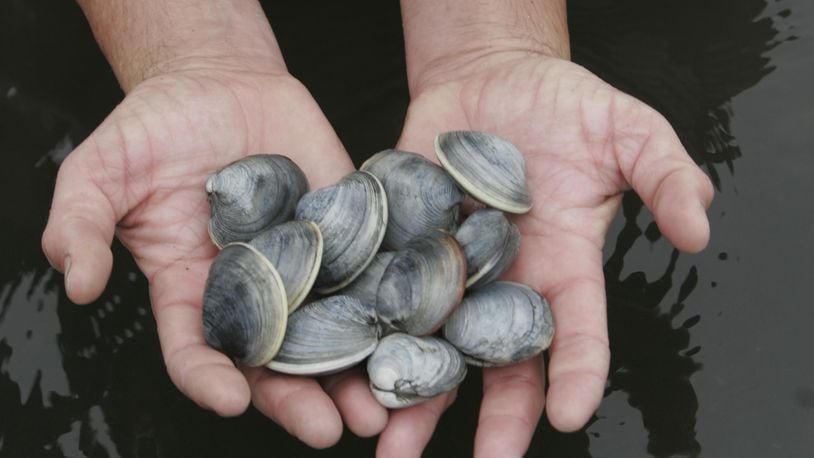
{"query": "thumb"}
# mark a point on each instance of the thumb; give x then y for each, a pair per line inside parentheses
(653, 160)
(81, 225)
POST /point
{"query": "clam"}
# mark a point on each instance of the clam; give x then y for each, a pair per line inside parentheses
(252, 194)
(295, 249)
(490, 242)
(367, 283)
(489, 168)
(352, 216)
(421, 196)
(244, 306)
(327, 336)
(406, 370)
(422, 284)
(500, 323)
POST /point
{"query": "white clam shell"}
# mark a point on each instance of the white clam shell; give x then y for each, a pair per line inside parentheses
(421, 196)
(406, 370)
(490, 242)
(295, 250)
(422, 284)
(499, 324)
(251, 195)
(244, 306)
(366, 284)
(327, 336)
(352, 216)
(489, 168)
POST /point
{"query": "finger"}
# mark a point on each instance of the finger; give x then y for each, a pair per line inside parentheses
(204, 375)
(362, 414)
(80, 227)
(310, 141)
(409, 430)
(298, 404)
(513, 399)
(567, 270)
(658, 167)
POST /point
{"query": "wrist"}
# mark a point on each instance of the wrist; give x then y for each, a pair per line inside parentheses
(152, 37)
(448, 39)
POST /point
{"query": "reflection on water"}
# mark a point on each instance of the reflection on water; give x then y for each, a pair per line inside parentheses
(95, 427)
(651, 359)
(89, 381)
(687, 59)
(29, 326)
(691, 80)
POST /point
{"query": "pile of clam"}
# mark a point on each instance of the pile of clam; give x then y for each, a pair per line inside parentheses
(374, 267)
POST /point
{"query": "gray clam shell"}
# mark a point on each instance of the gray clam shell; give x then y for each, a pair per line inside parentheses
(327, 336)
(366, 284)
(406, 370)
(244, 306)
(352, 216)
(490, 242)
(422, 284)
(499, 324)
(295, 250)
(489, 168)
(252, 194)
(421, 196)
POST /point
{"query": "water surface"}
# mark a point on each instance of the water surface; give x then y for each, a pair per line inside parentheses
(710, 351)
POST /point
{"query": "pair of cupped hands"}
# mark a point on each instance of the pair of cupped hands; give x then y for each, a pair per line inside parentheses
(140, 176)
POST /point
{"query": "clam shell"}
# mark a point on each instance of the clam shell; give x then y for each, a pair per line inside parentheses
(406, 370)
(327, 336)
(490, 242)
(499, 324)
(244, 306)
(295, 249)
(422, 284)
(252, 194)
(489, 168)
(366, 284)
(352, 216)
(421, 196)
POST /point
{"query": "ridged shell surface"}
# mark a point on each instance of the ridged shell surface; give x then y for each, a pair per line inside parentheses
(421, 195)
(422, 284)
(295, 250)
(406, 370)
(489, 168)
(367, 283)
(327, 336)
(252, 194)
(490, 242)
(244, 306)
(352, 216)
(499, 324)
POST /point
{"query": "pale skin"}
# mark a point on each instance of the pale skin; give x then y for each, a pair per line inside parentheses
(206, 84)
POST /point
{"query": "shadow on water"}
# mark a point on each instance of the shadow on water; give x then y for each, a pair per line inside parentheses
(687, 59)
(58, 361)
(688, 65)
(650, 358)
(89, 381)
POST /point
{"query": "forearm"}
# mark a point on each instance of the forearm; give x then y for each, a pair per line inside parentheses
(144, 38)
(443, 36)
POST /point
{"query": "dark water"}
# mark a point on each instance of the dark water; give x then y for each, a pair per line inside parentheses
(711, 352)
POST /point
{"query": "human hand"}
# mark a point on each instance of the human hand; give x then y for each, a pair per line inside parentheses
(141, 175)
(584, 143)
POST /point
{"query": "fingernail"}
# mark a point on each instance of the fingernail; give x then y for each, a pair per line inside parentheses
(67, 265)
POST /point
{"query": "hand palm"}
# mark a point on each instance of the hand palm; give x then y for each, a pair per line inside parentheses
(584, 143)
(143, 170)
